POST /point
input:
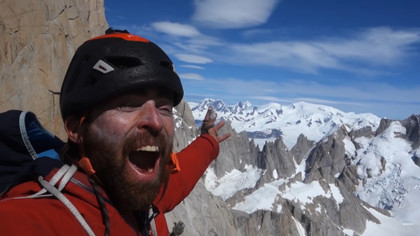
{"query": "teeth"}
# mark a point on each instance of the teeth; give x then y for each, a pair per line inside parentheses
(149, 149)
(150, 170)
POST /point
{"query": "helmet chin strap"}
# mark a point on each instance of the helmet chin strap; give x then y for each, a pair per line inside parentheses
(84, 162)
(86, 165)
(175, 162)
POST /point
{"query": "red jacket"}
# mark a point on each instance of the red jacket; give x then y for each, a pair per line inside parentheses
(48, 215)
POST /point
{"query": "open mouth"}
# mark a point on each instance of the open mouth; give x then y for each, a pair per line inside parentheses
(145, 159)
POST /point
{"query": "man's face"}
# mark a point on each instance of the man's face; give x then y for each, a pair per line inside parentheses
(129, 142)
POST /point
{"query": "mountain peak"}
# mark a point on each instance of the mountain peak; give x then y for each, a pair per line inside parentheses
(206, 103)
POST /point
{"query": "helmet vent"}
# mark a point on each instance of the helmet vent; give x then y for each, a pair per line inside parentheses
(124, 62)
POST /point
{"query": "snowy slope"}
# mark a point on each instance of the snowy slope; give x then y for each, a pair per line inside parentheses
(395, 184)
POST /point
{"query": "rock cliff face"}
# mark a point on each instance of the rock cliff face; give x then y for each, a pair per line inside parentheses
(38, 39)
(203, 214)
(412, 125)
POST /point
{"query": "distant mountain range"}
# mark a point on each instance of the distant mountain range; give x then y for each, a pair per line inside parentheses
(270, 121)
(311, 156)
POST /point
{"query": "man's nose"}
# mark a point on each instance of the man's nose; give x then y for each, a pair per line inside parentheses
(149, 117)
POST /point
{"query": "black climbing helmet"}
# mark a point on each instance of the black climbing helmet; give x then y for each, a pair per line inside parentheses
(112, 64)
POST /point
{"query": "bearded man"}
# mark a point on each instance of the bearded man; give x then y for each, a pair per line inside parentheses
(120, 173)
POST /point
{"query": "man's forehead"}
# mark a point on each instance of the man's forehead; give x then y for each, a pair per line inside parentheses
(145, 94)
(136, 97)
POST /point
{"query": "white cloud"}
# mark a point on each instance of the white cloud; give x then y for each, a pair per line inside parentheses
(300, 56)
(380, 45)
(175, 29)
(361, 53)
(198, 45)
(193, 67)
(191, 76)
(230, 14)
(364, 52)
(193, 58)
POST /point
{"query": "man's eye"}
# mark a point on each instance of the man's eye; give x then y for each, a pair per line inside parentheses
(166, 110)
(128, 107)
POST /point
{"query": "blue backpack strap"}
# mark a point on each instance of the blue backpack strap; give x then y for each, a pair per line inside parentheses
(39, 141)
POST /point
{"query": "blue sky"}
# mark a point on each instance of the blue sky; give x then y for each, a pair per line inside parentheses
(357, 56)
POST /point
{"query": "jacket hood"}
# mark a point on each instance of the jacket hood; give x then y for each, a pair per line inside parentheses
(23, 141)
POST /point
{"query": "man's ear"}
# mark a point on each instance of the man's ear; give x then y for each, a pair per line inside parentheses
(72, 127)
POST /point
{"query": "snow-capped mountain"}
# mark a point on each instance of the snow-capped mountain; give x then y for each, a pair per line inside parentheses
(271, 121)
(341, 173)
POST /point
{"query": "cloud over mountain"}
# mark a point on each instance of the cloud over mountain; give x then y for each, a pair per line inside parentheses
(228, 14)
